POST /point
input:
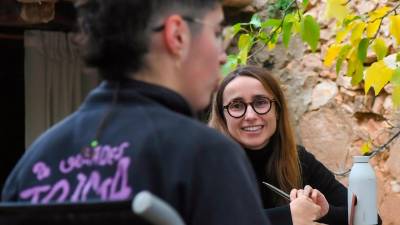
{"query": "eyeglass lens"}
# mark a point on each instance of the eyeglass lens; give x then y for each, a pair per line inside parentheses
(237, 109)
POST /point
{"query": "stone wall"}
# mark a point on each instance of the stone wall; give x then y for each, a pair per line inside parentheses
(332, 117)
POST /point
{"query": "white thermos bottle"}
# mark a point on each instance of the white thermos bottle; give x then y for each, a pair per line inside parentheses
(362, 183)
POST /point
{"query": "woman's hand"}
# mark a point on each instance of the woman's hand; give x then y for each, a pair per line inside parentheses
(307, 205)
(316, 196)
(319, 199)
(303, 210)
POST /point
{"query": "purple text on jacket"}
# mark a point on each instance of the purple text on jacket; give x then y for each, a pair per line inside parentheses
(113, 187)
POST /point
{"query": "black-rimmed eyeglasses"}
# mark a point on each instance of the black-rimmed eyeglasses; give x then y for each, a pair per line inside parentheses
(237, 108)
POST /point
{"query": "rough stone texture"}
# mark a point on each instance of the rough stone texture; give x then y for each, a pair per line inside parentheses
(322, 94)
(259, 3)
(389, 209)
(393, 162)
(298, 90)
(319, 132)
(365, 6)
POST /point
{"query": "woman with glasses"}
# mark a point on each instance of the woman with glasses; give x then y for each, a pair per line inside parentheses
(250, 107)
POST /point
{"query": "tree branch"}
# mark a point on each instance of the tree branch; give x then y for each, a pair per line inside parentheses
(380, 23)
(346, 3)
(285, 12)
(372, 153)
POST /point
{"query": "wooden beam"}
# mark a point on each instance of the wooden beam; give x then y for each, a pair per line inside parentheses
(64, 19)
(15, 37)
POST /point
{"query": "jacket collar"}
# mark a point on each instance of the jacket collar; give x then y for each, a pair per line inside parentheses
(131, 91)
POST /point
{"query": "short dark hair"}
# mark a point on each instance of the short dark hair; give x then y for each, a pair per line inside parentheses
(117, 32)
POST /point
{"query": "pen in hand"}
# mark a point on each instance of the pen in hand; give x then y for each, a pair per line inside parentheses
(277, 190)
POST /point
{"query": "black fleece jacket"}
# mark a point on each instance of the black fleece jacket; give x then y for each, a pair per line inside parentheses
(148, 142)
(315, 174)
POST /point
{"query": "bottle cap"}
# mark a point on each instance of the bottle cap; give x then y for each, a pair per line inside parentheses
(360, 159)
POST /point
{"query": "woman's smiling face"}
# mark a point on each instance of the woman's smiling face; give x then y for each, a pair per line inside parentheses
(252, 130)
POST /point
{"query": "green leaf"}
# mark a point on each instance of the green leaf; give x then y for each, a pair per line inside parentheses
(270, 23)
(380, 48)
(262, 36)
(310, 32)
(347, 21)
(395, 81)
(305, 3)
(396, 77)
(342, 55)
(286, 33)
(396, 97)
(292, 17)
(230, 65)
(236, 28)
(359, 73)
(255, 21)
(398, 57)
(362, 49)
(396, 88)
(274, 38)
(271, 42)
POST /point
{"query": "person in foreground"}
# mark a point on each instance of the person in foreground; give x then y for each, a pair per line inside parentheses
(250, 107)
(160, 60)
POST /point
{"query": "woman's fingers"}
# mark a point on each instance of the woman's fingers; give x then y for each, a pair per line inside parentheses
(307, 190)
(314, 195)
(293, 194)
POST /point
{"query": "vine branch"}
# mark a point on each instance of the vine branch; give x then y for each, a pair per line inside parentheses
(372, 153)
(285, 12)
(381, 18)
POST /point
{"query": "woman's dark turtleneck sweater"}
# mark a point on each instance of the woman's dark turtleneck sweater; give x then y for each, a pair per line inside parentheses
(259, 159)
(277, 214)
(314, 173)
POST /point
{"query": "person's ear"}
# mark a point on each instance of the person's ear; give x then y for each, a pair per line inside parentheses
(176, 35)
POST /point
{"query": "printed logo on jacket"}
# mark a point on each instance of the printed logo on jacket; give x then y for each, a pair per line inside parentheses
(114, 187)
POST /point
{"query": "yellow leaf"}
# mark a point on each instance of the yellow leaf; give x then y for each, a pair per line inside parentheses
(331, 54)
(357, 32)
(341, 34)
(379, 13)
(336, 9)
(355, 68)
(271, 45)
(372, 28)
(374, 20)
(395, 27)
(380, 48)
(396, 96)
(366, 147)
(377, 76)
